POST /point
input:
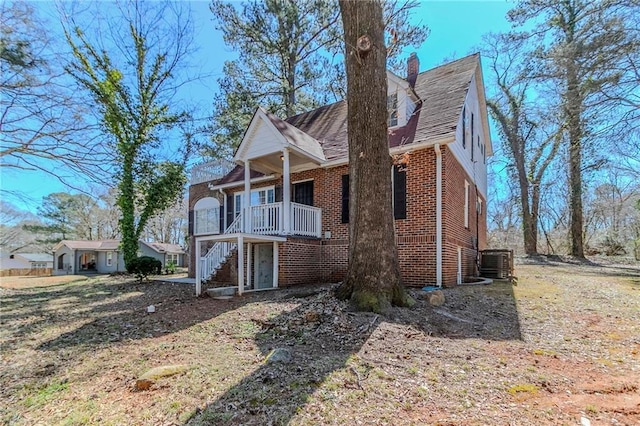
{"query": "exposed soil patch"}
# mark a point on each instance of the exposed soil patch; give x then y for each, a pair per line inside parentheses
(562, 344)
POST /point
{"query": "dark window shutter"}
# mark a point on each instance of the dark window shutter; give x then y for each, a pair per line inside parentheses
(399, 192)
(345, 198)
(278, 193)
(471, 142)
(190, 231)
(464, 127)
(221, 211)
(230, 215)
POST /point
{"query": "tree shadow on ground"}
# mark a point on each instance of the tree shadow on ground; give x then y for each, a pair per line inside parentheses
(331, 346)
(84, 317)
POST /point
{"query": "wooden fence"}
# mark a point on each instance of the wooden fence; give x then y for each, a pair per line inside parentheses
(26, 272)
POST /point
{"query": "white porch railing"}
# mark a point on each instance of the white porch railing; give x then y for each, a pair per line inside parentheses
(265, 219)
(306, 220)
(268, 219)
(212, 170)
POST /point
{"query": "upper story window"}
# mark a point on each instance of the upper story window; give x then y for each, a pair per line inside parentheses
(206, 216)
(392, 109)
(258, 196)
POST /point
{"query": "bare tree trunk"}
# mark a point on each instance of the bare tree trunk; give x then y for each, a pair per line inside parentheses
(373, 278)
(573, 113)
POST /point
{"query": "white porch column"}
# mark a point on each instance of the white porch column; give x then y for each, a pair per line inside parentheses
(275, 264)
(249, 268)
(286, 191)
(198, 269)
(247, 198)
(240, 265)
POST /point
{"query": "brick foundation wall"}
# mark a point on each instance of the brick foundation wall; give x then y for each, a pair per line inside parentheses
(300, 262)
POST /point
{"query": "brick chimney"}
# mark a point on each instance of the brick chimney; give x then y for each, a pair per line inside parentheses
(413, 68)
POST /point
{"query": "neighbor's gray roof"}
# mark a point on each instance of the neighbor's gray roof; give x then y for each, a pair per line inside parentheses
(91, 245)
(165, 247)
(36, 257)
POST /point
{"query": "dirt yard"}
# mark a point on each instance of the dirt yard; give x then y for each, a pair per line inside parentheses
(561, 347)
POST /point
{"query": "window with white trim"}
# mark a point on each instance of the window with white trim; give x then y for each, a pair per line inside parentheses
(258, 197)
(206, 216)
(109, 260)
(173, 258)
(479, 206)
(466, 204)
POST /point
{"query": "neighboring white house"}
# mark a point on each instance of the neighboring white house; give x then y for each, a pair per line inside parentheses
(27, 261)
(104, 256)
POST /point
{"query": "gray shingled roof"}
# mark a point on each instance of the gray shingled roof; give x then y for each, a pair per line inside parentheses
(441, 90)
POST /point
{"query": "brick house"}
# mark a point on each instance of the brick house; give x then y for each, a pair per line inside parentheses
(293, 175)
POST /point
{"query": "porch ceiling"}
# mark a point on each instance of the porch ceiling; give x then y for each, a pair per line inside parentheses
(273, 163)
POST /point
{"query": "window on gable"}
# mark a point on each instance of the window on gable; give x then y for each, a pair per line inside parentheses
(466, 204)
(392, 109)
(399, 193)
(345, 199)
(207, 216)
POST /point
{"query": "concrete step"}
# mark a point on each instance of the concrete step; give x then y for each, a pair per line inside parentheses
(222, 291)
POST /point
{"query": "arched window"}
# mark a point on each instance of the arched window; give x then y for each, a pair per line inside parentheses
(206, 216)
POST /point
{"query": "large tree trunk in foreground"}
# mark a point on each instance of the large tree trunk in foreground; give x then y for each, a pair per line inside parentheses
(373, 277)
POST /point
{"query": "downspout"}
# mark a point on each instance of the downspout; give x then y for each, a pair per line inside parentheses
(436, 148)
(224, 210)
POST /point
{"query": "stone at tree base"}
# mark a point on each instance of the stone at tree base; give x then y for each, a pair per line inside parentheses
(279, 355)
(436, 298)
(148, 379)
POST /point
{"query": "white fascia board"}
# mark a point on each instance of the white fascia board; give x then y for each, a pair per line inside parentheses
(396, 150)
(233, 184)
(421, 144)
(258, 116)
(398, 80)
(483, 109)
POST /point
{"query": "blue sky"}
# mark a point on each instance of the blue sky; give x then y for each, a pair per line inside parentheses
(456, 30)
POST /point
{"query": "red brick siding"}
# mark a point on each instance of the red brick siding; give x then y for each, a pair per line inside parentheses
(300, 262)
(455, 234)
(311, 260)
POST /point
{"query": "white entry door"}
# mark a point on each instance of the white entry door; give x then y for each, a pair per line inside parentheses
(263, 266)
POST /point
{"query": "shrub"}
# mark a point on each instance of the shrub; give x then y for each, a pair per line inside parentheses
(144, 266)
(170, 267)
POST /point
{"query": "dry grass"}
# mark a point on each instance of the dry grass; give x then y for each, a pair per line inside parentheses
(562, 344)
(33, 282)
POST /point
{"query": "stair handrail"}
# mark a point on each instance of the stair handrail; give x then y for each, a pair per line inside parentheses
(218, 253)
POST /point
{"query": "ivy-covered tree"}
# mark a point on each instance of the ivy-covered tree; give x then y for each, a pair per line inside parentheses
(289, 59)
(133, 97)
